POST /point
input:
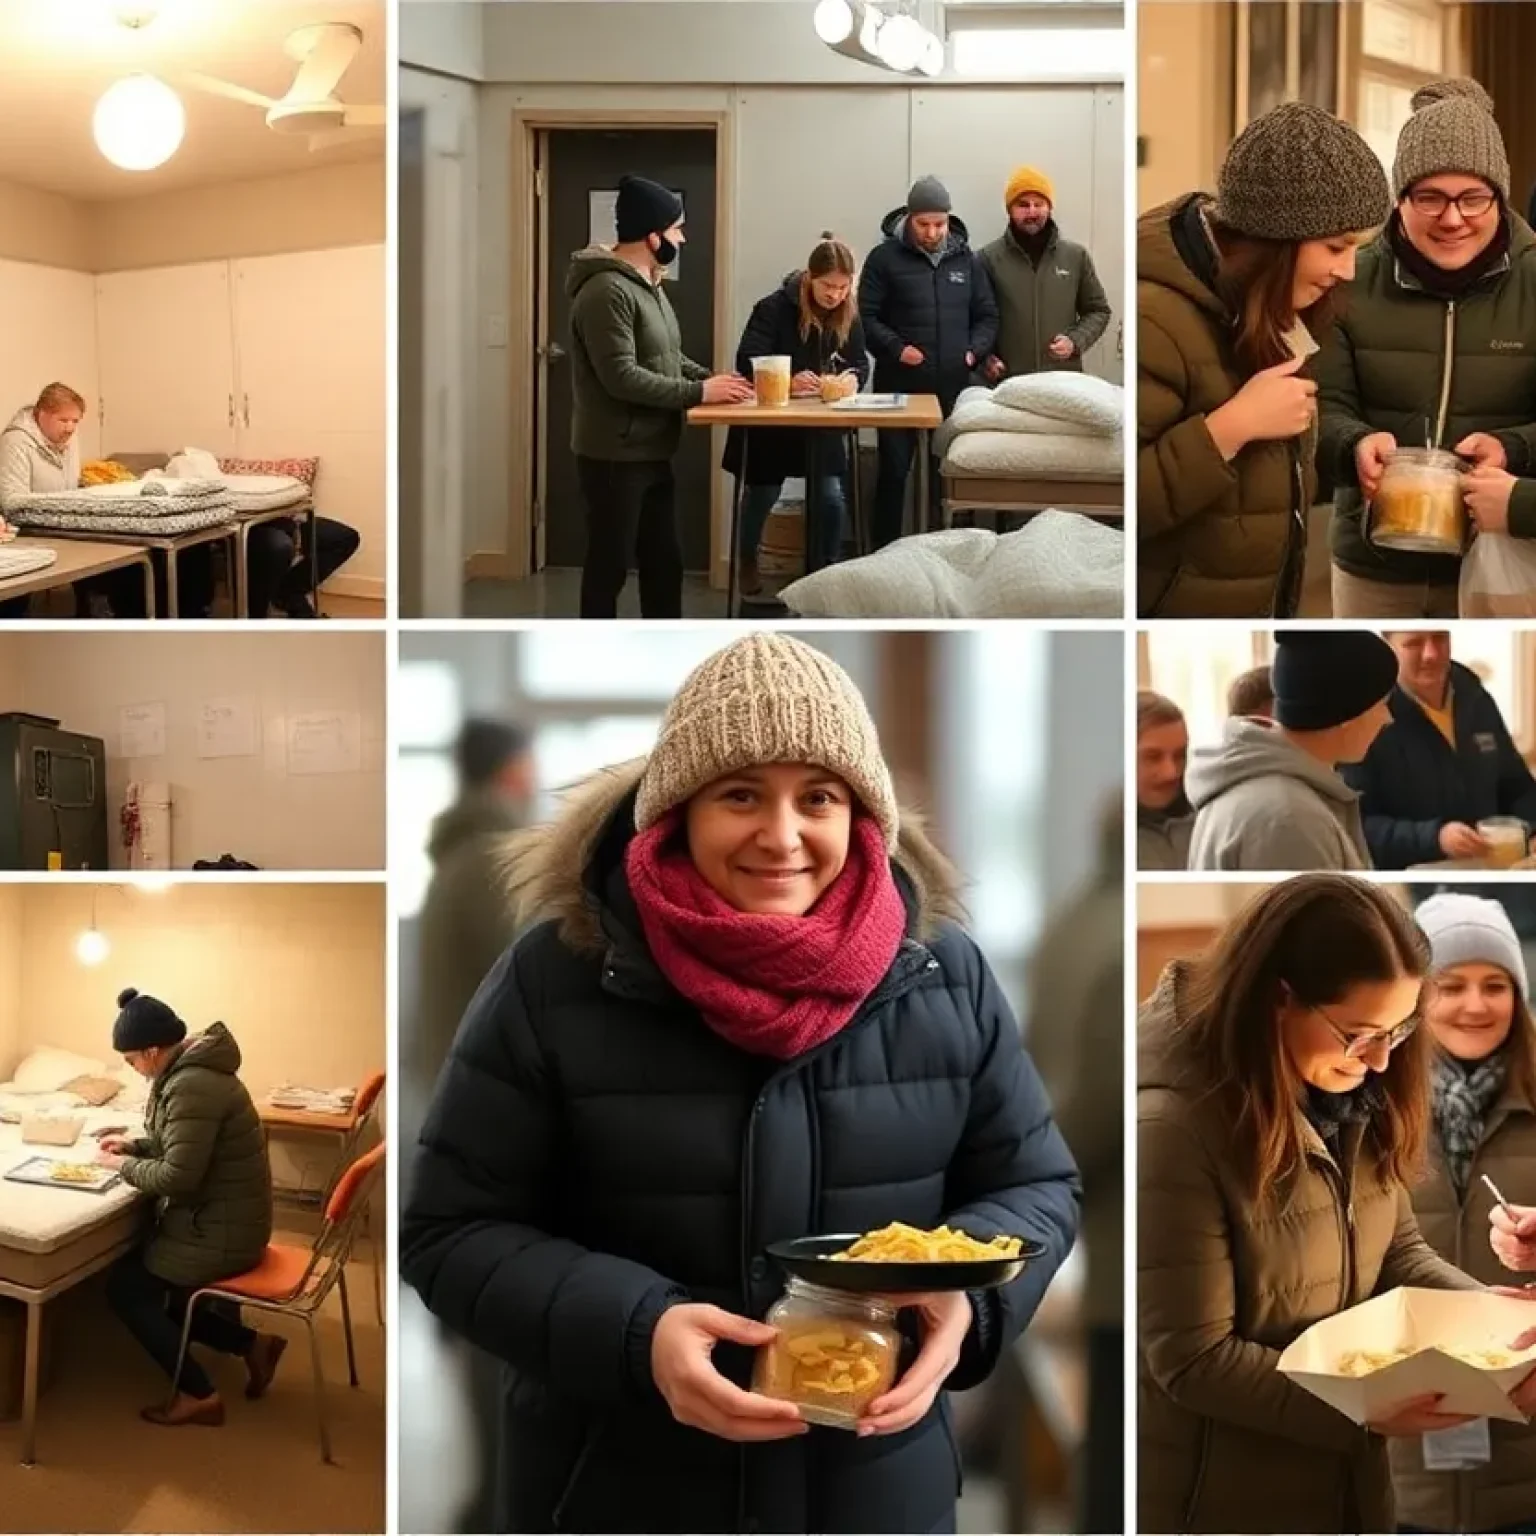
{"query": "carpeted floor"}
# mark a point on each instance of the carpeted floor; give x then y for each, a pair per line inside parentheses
(100, 1468)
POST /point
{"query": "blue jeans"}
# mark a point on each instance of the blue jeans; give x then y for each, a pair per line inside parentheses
(831, 518)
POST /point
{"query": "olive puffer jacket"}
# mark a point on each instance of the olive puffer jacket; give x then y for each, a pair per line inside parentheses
(595, 1154)
(1502, 1494)
(1215, 540)
(1400, 358)
(1060, 295)
(1227, 1443)
(204, 1161)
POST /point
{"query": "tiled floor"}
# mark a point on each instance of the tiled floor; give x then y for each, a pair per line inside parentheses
(554, 593)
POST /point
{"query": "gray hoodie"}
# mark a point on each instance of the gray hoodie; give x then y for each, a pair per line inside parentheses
(1261, 803)
(29, 463)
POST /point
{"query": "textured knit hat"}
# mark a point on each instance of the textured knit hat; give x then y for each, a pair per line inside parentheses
(1452, 130)
(1324, 678)
(1027, 179)
(928, 195)
(1298, 173)
(144, 1022)
(766, 698)
(644, 208)
(1471, 930)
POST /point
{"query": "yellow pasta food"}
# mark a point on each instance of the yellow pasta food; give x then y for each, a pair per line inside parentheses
(1365, 1362)
(105, 472)
(833, 1369)
(75, 1173)
(900, 1244)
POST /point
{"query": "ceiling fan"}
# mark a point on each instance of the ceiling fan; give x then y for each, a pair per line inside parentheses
(324, 53)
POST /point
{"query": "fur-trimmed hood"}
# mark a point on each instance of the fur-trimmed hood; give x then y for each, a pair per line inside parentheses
(547, 869)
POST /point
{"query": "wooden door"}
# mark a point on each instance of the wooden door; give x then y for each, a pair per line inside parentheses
(310, 354)
(166, 359)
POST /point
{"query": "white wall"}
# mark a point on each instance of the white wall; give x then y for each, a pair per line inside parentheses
(12, 1018)
(47, 335)
(250, 806)
(1184, 97)
(443, 35)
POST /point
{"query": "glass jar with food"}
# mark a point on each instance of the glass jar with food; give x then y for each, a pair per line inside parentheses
(834, 1355)
(1508, 839)
(771, 377)
(1418, 505)
(838, 386)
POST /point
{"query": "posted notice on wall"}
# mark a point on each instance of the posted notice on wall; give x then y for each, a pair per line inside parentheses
(328, 741)
(603, 219)
(227, 727)
(141, 730)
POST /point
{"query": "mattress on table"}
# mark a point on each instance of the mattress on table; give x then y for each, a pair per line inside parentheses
(1039, 491)
(266, 493)
(1026, 456)
(125, 522)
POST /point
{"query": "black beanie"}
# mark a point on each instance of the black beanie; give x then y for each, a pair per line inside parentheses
(144, 1022)
(645, 208)
(1324, 678)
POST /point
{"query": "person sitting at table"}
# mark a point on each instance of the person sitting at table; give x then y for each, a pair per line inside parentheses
(812, 318)
(280, 574)
(203, 1162)
(1445, 763)
(38, 453)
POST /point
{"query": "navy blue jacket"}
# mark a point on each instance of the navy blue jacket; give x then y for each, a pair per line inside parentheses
(944, 310)
(1412, 783)
(595, 1153)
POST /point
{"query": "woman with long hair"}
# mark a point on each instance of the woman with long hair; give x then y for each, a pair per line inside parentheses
(1230, 293)
(741, 1012)
(1164, 817)
(1483, 1122)
(812, 318)
(1283, 1109)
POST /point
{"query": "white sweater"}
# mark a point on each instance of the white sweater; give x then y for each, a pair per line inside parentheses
(29, 463)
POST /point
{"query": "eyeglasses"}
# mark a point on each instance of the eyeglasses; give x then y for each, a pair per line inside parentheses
(1359, 1044)
(1472, 204)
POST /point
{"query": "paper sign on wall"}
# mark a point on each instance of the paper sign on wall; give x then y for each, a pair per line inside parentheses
(603, 219)
(329, 741)
(141, 730)
(227, 728)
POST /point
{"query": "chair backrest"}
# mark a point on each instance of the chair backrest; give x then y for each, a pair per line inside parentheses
(367, 1095)
(344, 1196)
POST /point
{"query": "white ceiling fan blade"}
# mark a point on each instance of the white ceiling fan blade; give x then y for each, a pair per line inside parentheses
(328, 52)
(366, 117)
(230, 92)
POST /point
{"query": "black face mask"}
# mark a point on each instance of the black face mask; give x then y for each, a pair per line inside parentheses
(666, 252)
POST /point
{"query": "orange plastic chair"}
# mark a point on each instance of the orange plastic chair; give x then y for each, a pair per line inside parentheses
(369, 1100)
(294, 1282)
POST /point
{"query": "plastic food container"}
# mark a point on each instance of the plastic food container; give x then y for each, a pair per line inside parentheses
(771, 378)
(1418, 505)
(1508, 839)
(835, 1353)
(836, 386)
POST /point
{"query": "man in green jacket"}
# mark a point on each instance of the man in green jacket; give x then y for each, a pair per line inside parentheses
(203, 1162)
(1435, 344)
(632, 386)
(1051, 305)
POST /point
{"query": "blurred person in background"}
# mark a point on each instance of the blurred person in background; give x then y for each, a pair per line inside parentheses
(1164, 816)
(1283, 1106)
(1268, 796)
(1446, 762)
(746, 1009)
(1077, 1039)
(1483, 1103)
(1252, 695)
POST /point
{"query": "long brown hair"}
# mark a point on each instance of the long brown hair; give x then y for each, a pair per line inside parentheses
(1316, 936)
(1256, 280)
(830, 255)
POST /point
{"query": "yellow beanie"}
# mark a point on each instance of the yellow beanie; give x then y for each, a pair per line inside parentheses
(1027, 179)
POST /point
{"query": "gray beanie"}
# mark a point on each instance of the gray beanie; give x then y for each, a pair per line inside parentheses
(144, 1022)
(928, 195)
(1452, 130)
(1299, 173)
(1466, 930)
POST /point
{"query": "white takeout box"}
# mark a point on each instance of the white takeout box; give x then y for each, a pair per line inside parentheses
(52, 1130)
(1405, 1318)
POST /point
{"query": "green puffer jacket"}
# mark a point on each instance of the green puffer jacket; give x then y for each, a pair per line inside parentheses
(204, 1161)
(1035, 304)
(631, 381)
(1398, 358)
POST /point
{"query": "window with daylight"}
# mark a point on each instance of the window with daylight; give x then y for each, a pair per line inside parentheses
(1195, 665)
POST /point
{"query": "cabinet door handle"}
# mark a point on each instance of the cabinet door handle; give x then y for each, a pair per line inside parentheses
(231, 410)
(247, 410)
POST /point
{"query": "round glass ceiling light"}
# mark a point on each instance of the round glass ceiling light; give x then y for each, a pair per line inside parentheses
(834, 21)
(901, 43)
(139, 123)
(91, 948)
(932, 61)
(869, 31)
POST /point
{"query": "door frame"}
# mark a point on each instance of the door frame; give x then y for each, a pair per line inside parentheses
(522, 350)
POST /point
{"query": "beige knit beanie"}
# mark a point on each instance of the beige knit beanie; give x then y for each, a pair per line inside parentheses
(1452, 130)
(766, 698)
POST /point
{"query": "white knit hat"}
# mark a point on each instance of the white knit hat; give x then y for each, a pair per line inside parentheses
(766, 698)
(1471, 930)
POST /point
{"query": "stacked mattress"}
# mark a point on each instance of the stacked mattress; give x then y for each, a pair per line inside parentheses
(1056, 426)
(149, 508)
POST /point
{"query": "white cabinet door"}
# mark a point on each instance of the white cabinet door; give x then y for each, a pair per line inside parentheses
(311, 362)
(166, 357)
(47, 336)
(1107, 230)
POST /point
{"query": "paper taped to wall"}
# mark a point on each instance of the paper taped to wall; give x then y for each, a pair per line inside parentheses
(328, 742)
(141, 730)
(227, 728)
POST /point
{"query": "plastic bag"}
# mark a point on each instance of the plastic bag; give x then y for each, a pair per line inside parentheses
(1498, 578)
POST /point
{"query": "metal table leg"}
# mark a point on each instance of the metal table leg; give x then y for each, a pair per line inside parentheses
(29, 1384)
(147, 568)
(924, 512)
(312, 539)
(172, 592)
(856, 496)
(242, 543)
(814, 511)
(733, 568)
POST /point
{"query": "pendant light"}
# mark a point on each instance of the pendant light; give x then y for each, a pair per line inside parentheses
(139, 123)
(91, 948)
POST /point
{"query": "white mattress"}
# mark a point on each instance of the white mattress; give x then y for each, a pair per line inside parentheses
(35, 1219)
(1022, 455)
(265, 493)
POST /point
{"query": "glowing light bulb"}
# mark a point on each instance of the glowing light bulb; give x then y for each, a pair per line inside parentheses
(932, 61)
(139, 123)
(834, 21)
(91, 948)
(901, 43)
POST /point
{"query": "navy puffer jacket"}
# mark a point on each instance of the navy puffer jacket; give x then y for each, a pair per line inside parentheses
(595, 1153)
(945, 309)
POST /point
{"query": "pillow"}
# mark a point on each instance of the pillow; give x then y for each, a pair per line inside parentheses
(1076, 397)
(94, 1091)
(295, 469)
(47, 1070)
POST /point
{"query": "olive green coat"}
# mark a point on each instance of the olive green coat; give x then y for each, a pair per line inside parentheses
(1224, 1284)
(1400, 360)
(204, 1161)
(1062, 296)
(1214, 540)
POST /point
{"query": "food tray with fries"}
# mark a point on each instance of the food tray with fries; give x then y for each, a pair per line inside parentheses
(55, 1173)
(900, 1259)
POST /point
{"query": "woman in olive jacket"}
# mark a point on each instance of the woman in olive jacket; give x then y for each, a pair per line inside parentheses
(1282, 1111)
(1228, 294)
